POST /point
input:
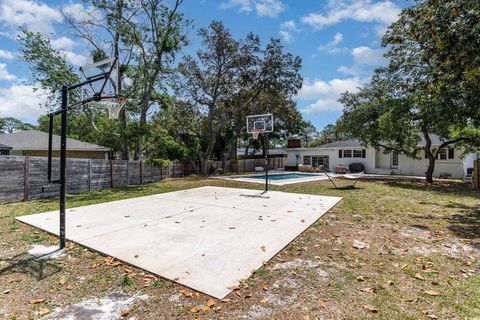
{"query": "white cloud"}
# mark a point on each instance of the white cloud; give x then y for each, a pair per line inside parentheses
(289, 25)
(286, 36)
(4, 74)
(21, 102)
(269, 8)
(364, 58)
(332, 46)
(75, 58)
(80, 13)
(383, 12)
(368, 56)
(326, 94)
(62, 43)
(6, 54)
(263, 8)
(287, 30)
(35, 15)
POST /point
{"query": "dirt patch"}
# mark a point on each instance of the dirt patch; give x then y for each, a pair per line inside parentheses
(112, 306)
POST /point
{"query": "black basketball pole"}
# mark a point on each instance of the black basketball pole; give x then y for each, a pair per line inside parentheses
(265, 144)
(63, 165)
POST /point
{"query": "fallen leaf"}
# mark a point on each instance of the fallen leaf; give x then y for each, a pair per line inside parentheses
(206, 308)
(124, 313)
(6, 291)
(432, 316)
(431, 292)
(370, 308)
(36, 301)
(226, 300)
(210, 303)
(390, 282)
(70, 287)
(404, 266)
(418, 276)
(368, 290)
(195, 310)
(186, 293)
(62, 281)
(264, 287)
(263, 248)
(264, 300)
(360, 278)
(322, 304)
(43, 311)
(136, 256)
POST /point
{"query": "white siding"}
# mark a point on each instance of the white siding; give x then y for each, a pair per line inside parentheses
(334, 160)
(379, 162)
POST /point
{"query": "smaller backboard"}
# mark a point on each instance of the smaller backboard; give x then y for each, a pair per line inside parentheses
(260, 123)
(106, 87)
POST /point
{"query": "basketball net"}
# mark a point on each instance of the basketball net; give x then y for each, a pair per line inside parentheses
(256, 133)
(114, 106)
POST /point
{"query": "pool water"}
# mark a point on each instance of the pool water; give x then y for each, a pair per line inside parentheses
(283, 176)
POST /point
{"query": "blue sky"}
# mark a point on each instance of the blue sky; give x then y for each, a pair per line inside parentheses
(338, 41)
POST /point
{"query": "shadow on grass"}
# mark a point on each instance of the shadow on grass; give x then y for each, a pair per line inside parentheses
(466, 224)
(39, 267)
(445, 187)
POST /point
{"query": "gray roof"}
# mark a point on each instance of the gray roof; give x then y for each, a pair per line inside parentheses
(351, 143)
(354, 143)
(38, 140)
(4, 147)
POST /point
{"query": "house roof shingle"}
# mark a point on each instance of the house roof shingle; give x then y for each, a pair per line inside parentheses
(4, 147)
(38, 140)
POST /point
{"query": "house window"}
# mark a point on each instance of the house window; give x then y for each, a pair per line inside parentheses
(340, 154)
(442, 154)
(307, 160)
(364, 153)
(4, 152)
(451, 153)
(394, 159)
(318, 161)
(357, 153)
(347, 153)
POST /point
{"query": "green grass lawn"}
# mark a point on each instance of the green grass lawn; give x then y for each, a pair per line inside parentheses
(421, 260)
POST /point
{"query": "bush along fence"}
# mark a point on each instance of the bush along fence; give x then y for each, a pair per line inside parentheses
(24, 178)
(249, 165)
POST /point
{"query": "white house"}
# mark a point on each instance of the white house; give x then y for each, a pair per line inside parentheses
(346, 152)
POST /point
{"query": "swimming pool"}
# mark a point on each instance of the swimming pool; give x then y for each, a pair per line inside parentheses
(277, 178)
(283, 176)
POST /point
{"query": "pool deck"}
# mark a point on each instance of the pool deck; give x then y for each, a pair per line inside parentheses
(243, 178)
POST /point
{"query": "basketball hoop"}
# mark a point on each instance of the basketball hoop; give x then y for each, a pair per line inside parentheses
(113, 105)
(255, 133)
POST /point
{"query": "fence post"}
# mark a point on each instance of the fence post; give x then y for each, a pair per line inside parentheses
(476, 174)
(141, 172)
(111, 174)
(26, 178)
(89, 174)
(161, 172)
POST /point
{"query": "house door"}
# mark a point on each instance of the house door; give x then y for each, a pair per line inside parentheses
(394, 160)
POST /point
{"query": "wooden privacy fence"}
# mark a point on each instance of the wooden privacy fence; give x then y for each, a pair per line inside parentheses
(23, 178)
(248, 165)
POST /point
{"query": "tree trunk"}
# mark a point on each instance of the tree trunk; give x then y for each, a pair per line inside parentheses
(431, 167)
(429, 154)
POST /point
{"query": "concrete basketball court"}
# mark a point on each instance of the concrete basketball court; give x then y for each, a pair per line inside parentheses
(206, 238)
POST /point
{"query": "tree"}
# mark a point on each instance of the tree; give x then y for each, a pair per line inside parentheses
(9, 125)
(231, 79)
(415, 95)
(308, 133)
(146, 36)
